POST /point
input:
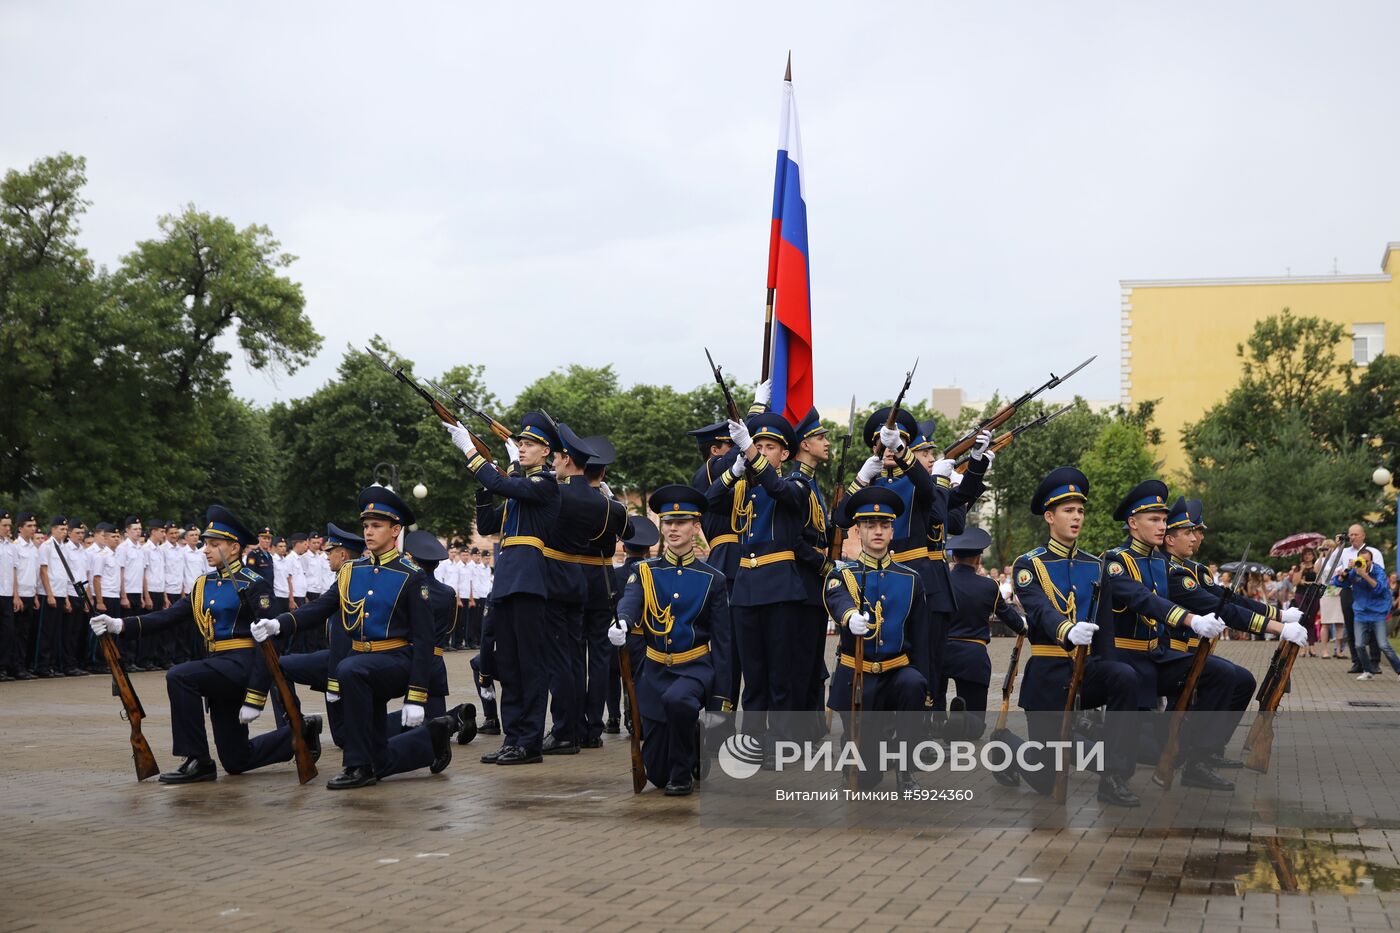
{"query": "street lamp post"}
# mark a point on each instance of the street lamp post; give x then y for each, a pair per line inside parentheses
(387, 475)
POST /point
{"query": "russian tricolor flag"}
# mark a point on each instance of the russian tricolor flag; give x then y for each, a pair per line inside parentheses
(790, 362)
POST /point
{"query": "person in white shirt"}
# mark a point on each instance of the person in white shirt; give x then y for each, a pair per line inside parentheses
(281, 577)
(158, 648)
(1356, 543)
(195, 563)
(474, 577)
(135, 597)
(75, 634)
(298, 566)
(9, 641)
(26, 587)
(56, 606)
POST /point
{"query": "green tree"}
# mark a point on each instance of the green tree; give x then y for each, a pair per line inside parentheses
(1118, 460)
(1277, 483)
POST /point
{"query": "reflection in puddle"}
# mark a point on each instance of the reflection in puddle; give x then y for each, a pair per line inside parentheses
(1272, 863)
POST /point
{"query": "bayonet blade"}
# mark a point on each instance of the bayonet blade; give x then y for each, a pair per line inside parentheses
(1060, 379)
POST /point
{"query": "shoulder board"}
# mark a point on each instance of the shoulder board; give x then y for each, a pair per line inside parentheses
(797, 476)
(1034, 552)
(409, 563)
(249, 575)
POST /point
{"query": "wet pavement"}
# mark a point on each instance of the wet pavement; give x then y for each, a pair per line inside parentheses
(565, 844)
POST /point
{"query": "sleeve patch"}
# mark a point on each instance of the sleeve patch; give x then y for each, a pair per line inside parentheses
(424, 591)
(632, 578)
(536, 479)
(1023, 577)
(833, 584)
(1115, 569)
(1189, 583)
(265, 602)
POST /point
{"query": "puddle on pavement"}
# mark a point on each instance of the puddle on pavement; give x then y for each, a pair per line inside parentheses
(1273, 863)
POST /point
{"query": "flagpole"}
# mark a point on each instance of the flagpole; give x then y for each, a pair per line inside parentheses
(772, 272)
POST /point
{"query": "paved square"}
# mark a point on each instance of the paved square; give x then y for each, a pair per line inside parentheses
(565, 845)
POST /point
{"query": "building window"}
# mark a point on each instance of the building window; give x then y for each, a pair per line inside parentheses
(1367, 342)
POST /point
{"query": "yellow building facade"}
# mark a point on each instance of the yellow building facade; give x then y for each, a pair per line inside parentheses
(1168, 321)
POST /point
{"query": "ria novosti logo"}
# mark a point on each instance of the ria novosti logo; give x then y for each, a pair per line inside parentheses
(740, 756)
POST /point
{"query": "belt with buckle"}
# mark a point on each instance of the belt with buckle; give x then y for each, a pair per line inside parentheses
(679, 657)
(876, 667)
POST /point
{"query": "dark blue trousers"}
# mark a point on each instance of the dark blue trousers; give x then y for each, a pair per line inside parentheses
(488, 707)
(564, 658)
(1223, 686)
(519, 630)
(221, 680)
(368, 681)
(1110, 684)
(311, 670)
(411, 749)
(668, 733)
(774, 674)
(597, 616)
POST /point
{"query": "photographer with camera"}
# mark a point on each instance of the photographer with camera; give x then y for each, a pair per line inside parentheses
(1362, 576)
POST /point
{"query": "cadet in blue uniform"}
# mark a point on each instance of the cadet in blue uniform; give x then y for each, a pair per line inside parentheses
(384, 605)
(524, 521)
(678, 605)
(1055, 585)
(725, 518)
(882, 602)
(768, 590)
(1192, 586)
(1150, 631)
(586, 517)
(314, 669)
(965, 660)
(641, 536)
(951, 519)
(813, 450)
(600, 668)
(224, 606)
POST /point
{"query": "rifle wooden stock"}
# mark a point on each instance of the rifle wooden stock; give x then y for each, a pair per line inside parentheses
(964, 444)
(1076, 681)
(306, 768)
(1260, 741)
(838, 534)
(1166, 764)
(1009, 683)
(857, 689)
(141, 754)
(634, 744)
(999, 443)
(132, 710)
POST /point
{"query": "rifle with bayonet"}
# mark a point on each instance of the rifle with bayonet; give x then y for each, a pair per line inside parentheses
(132, 711)
(838, 492)
(438, 408)
(1003, 440)
(458, 399)
(1004, 414)
(730, 406)
(1166, 764)
(1259, 743)
(892, 420)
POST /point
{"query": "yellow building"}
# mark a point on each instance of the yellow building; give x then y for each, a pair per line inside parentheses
(1168, 321)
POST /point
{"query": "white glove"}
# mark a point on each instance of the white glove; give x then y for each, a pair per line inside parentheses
(890, 437)
(1208, 625)
(263, 628)
(617, 633)
(1291, 614)
(1296, 633)
(736, 469)
(763, 392)
(980, 445)
(412, 715)
(512, 451)
(332, 697)
(461, 438)
(956, 479)
(605, 489)
(487, 692)
(1082, 633)
(870, 469)
(247, 714)
(858, 623)
(831, 626)
(943, 468)
(740, 435)
(102, 623)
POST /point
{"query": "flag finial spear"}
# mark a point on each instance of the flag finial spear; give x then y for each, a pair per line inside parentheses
(788, 75)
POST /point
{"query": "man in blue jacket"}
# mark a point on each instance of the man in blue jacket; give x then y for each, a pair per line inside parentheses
(1370, 602)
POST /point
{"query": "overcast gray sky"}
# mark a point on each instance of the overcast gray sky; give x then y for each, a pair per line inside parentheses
(529, 185)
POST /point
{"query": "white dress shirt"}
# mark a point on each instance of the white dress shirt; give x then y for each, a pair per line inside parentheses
(196, 566)
(174, 570)
(297, 565)
(131, 566)
(26, 568)
(105, 567)
(7, 568)
(155, 566)
(280, 572)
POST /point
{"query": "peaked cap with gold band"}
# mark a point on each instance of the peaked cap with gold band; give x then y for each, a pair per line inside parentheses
(870, 502)
(382, 502)
(1063, 484)
(810, 426)
(677, 501)
(536, 426)
(908, 427)
(1179, 516)
(221, 524)
(1150, 495)
(772, 426)
(924, 439)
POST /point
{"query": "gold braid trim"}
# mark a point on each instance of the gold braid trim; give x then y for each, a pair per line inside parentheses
(352, 611)
(741, 513)
(651, 605)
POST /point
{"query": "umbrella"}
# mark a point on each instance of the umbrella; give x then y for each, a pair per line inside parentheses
(1295, 544)
(1247, 566)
